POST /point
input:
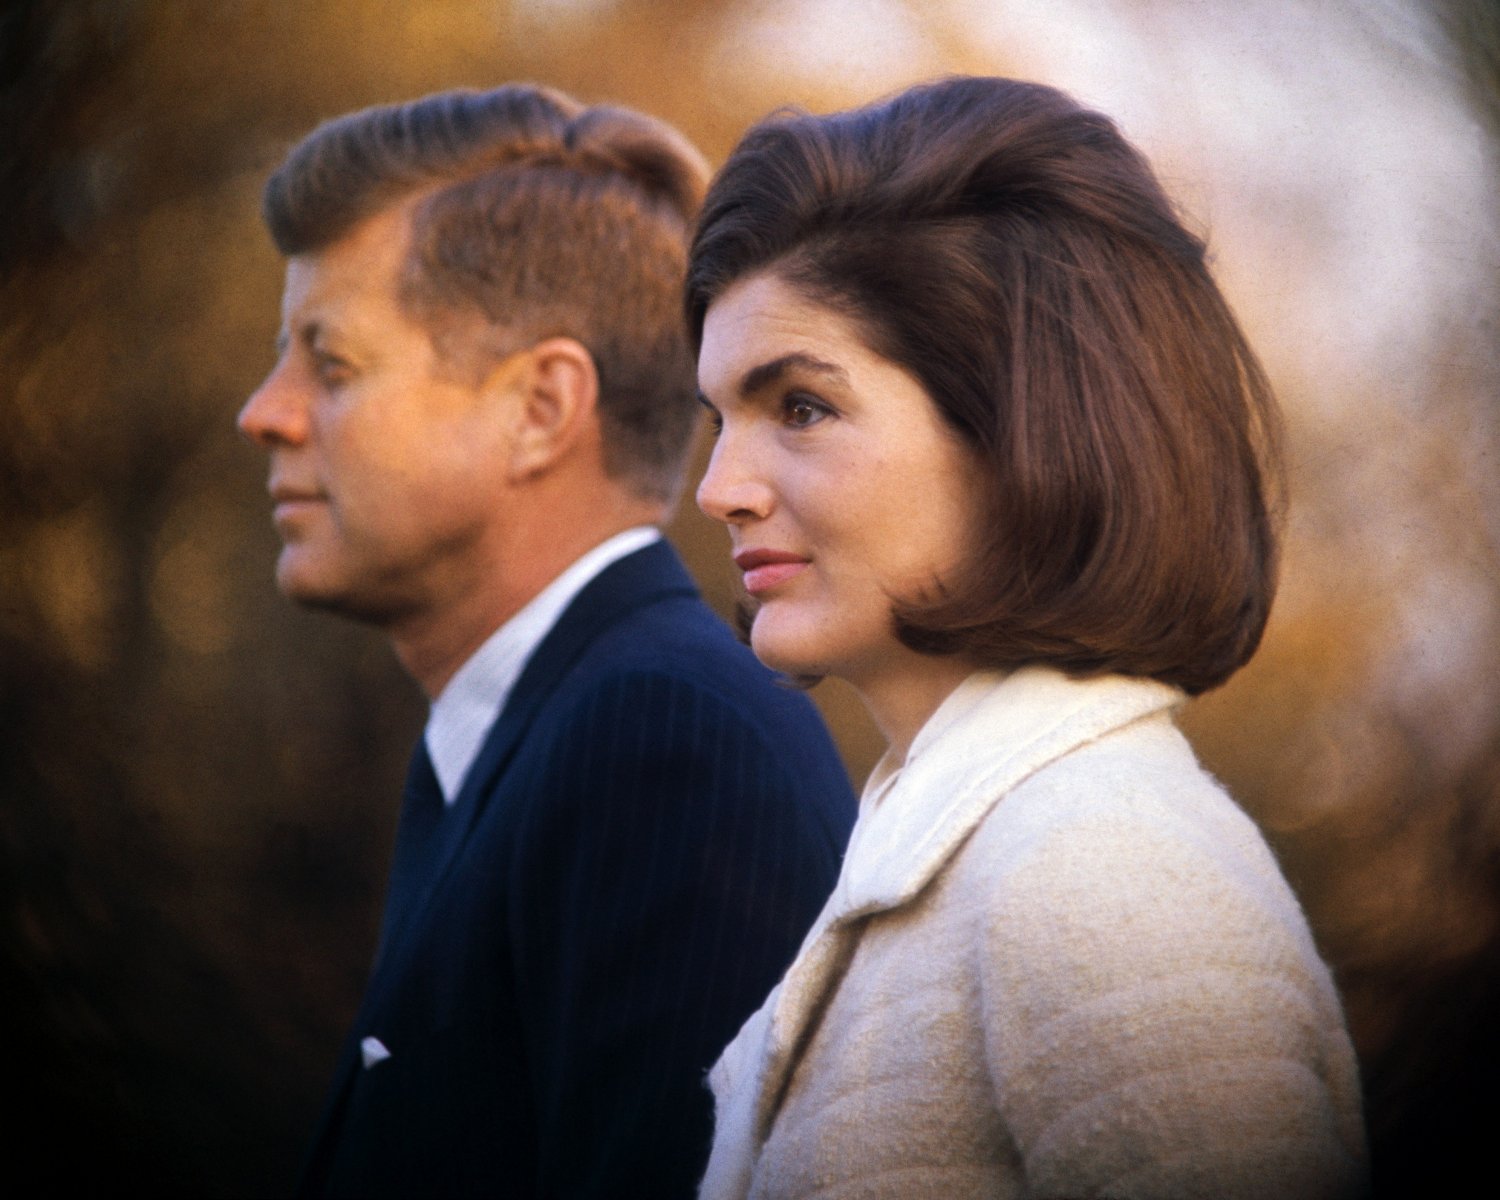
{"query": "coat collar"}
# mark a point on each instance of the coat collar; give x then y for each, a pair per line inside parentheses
(991, 733)
(988, 736)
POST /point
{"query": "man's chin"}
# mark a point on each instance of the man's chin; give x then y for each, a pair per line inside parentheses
(321, 590)
(311, 589)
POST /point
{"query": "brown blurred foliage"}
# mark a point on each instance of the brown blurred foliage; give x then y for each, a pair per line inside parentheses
(199, 783)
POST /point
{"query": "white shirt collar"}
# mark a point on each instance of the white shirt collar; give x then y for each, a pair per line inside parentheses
(475, 697)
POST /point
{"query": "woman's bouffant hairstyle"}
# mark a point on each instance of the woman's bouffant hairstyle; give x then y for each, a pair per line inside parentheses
(1014, 253)
(540, 217)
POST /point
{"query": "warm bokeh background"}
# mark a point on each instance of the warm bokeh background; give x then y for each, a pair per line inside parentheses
(199, 783)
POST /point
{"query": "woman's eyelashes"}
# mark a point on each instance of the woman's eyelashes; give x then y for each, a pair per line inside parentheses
(715, 418)
(799, 410)
(796, 410)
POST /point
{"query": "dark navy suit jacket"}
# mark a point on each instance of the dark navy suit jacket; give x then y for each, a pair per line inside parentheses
(647, 833)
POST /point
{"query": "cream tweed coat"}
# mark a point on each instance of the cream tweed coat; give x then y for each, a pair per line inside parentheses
(1059, 962)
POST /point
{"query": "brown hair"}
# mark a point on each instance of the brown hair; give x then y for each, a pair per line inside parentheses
(539, 215)
(1014, 253)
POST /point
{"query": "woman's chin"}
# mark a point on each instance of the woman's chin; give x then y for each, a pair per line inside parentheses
(780, 651)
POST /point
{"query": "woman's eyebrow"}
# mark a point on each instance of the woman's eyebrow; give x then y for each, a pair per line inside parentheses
(771, 372)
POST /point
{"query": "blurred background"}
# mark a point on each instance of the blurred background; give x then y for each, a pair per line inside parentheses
(198, 783)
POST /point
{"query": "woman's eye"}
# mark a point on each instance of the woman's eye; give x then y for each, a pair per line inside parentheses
(800, 411)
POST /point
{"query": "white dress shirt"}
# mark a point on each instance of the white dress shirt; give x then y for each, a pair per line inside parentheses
(475, 697)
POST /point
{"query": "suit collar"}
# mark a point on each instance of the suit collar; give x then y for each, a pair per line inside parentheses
(644, 577)
(651, 574)
(473, 699)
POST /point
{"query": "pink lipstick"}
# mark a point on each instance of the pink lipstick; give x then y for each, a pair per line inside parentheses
(766, 569)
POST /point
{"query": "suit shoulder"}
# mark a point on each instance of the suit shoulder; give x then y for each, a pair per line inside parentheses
(642, 750)
(666, 701)
(677, 649)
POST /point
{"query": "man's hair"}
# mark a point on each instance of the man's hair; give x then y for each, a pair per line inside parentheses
(1014, 253)
(539, 216)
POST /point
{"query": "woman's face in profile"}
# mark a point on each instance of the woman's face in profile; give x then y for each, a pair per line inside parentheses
(842, 487)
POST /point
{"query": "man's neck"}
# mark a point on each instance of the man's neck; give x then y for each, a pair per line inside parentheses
(479, 691)
(432, 645)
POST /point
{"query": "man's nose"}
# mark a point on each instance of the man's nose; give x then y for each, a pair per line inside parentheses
(276, 414)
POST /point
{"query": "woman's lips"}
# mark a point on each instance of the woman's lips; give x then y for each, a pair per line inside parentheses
(766, 569)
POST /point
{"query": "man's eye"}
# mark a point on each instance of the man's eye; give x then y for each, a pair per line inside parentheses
(332, 370)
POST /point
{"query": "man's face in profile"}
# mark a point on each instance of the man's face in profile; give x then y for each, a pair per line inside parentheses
(384, 464)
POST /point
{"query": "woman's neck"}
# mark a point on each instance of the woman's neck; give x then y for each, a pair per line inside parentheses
(901, 698)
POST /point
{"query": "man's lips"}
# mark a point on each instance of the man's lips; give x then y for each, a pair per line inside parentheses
(289, 500)
(765, 569)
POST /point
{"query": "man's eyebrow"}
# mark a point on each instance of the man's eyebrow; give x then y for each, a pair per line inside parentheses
(306, 334)
(770, 372)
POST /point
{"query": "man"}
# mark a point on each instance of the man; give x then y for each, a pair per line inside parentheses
(617, 828)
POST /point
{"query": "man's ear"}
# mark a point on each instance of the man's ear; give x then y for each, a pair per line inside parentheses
(555, 405)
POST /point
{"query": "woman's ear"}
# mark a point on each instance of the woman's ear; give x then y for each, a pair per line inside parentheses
(555, 405)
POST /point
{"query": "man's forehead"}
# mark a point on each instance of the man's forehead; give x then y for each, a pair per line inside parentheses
(360, 273)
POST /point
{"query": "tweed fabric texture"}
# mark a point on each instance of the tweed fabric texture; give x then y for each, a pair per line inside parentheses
(1059, 962)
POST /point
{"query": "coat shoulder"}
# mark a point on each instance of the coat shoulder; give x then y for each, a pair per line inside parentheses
(1139, 948)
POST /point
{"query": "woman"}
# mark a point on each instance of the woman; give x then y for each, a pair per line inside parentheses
(992, 448)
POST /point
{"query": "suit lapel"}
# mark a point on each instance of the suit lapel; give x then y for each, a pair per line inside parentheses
(422, 811)
(651, 574)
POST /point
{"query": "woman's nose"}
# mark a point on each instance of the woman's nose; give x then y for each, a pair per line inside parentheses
(733, 490)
